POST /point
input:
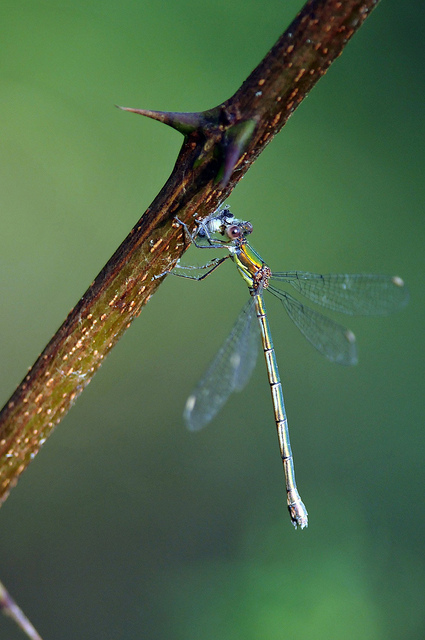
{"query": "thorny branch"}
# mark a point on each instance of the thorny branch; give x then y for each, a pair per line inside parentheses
(219, 146)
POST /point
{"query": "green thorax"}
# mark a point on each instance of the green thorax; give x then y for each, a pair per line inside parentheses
(250, 265)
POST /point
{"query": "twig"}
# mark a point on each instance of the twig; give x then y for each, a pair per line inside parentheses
(10, 608)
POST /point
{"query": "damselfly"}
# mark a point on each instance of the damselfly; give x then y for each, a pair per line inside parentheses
(232, 367)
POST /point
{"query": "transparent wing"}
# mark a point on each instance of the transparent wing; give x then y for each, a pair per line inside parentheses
(229, 371)
(354, 294)
(333, 340)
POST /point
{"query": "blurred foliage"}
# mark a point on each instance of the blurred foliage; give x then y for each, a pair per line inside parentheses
(127, 526)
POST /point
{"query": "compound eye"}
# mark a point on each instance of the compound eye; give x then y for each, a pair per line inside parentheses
(233, 232)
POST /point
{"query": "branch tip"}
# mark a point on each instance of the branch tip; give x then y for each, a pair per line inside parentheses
(11, 609)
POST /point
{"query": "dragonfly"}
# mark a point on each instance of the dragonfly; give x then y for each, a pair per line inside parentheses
(230, 370)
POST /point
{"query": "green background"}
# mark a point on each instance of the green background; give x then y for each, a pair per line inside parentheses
(126, 525)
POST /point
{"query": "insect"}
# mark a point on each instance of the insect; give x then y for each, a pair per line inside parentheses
(361, 294)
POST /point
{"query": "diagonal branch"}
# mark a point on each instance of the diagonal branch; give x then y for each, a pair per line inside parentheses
(219, 146)
(11, 609)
